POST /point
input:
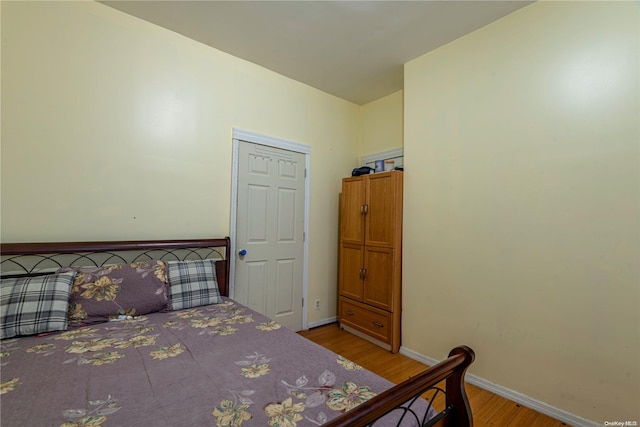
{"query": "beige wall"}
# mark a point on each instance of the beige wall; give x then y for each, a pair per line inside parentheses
(522, 204)
(113, 128)
(382, 124)
(521, 193)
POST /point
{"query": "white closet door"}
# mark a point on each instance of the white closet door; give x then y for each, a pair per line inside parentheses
(269, 232)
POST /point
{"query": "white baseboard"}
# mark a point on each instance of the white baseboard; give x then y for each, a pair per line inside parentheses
(322, 322)
(524, 400)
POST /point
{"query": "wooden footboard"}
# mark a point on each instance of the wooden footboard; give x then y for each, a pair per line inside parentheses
(457, 412)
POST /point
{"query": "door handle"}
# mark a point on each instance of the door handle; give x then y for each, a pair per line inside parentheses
(242, 252)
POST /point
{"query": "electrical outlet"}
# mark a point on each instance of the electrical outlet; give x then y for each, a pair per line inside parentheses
(317, 304)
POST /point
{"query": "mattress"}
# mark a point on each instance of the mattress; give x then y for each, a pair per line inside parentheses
(222, 364)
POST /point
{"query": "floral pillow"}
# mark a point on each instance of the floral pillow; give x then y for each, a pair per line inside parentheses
(103, 293)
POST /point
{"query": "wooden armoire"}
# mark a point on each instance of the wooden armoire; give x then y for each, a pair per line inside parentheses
(370, 266)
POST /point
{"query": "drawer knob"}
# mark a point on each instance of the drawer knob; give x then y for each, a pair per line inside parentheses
(350, 313)
(378, 324)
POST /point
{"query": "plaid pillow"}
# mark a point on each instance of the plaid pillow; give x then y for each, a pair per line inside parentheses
(33, 305)
(192, 283)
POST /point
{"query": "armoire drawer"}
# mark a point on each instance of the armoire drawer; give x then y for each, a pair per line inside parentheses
(375, 323)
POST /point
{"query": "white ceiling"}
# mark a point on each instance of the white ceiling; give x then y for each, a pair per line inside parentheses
(352, 49)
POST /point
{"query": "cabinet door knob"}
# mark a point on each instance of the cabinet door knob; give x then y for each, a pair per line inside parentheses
(366, 209)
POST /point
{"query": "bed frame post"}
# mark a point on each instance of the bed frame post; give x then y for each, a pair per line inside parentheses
(456, 394)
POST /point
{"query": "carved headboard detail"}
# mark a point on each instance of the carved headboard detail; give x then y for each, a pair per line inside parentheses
(34, 259)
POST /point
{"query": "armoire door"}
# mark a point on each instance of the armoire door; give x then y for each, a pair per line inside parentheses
(352, 211)
(378, 277)
(381, 208)
(351, 271)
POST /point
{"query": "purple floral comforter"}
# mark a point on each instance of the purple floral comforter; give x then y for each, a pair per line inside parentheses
(222, 365)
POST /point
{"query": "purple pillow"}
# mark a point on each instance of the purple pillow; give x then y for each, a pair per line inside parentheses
(103, 293)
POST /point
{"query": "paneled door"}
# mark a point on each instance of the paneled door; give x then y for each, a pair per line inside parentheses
(269, 232)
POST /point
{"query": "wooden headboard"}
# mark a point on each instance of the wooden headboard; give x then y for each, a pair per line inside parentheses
(34, 259)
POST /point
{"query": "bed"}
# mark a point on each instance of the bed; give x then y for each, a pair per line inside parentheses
(179, 352)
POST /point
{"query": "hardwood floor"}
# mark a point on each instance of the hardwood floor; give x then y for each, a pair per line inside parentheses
(488, 409)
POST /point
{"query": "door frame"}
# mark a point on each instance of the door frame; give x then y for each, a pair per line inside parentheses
(270, 141)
